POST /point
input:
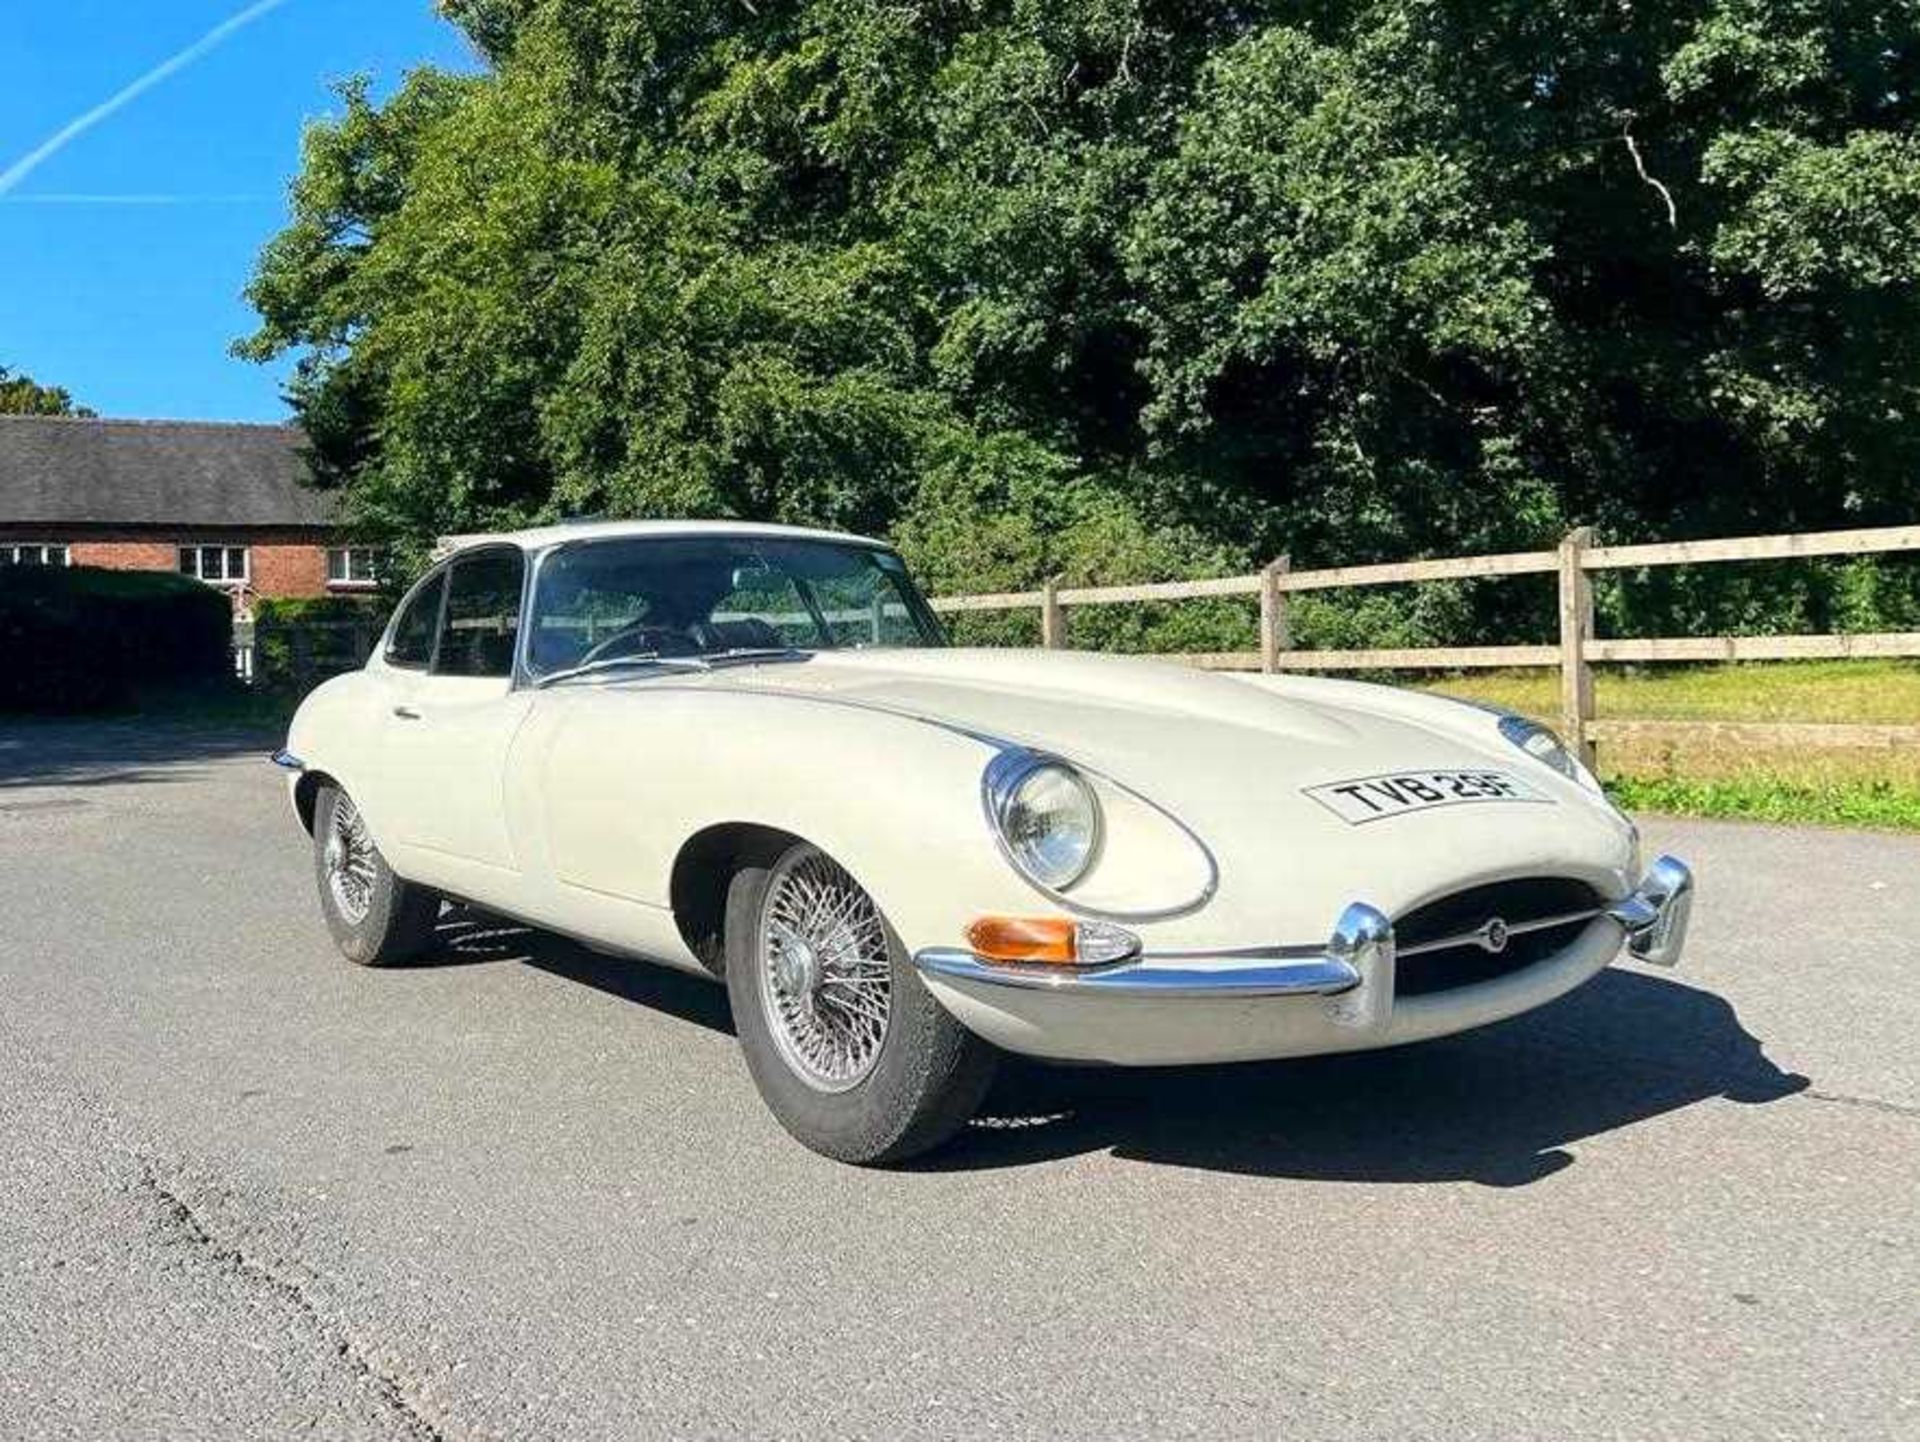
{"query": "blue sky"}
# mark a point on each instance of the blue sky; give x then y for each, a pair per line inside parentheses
(131, 306)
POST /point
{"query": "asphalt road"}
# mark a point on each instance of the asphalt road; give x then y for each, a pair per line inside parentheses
(526, 1192)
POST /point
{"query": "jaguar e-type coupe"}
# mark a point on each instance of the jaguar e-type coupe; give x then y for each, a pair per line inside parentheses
(748, 751)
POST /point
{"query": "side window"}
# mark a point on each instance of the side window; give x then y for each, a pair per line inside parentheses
(413, 633)
(483, 615)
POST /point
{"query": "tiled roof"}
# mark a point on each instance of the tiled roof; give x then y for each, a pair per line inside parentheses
(61, 469)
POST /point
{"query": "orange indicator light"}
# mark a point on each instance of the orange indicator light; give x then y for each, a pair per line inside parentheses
(1015, 938)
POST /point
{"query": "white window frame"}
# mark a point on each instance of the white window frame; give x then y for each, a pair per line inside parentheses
(348, 581)
(199, 554)
(46, 553)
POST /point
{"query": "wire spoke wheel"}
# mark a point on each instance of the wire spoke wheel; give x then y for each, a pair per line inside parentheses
(825, 972)
(348, 860)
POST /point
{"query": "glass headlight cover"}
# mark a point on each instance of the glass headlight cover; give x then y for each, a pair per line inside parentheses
(1544, 745)
(1045, 815)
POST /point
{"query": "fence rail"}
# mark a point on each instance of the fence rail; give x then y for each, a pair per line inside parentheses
(317, 647)
(1575, 651)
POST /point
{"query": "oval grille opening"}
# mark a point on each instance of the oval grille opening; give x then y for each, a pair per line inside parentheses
(1488, 932)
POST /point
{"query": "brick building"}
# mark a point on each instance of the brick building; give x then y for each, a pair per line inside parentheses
(220, 501)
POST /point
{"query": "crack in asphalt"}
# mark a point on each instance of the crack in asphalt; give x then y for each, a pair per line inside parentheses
(1874, 1104)
(180, 1216)
(145, 1174)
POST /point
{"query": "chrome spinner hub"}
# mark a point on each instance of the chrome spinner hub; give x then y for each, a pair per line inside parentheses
(799, 968)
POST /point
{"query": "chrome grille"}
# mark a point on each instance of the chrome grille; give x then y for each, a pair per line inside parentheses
(1487, 932)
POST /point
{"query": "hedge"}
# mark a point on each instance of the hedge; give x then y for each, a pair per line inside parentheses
(330, 624)
(83, 639)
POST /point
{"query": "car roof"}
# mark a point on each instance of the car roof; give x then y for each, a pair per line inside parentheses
(537, 538)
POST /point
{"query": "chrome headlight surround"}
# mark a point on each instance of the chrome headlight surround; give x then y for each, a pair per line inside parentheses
(1024, 819)
(1544, 745)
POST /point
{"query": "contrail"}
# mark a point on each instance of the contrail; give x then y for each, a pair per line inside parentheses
(83, 198)
(79, 126)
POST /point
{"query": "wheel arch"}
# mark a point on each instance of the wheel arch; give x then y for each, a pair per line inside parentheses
(704, 868)
(306, 796)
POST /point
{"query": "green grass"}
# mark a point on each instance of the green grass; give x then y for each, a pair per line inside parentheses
(1760, 798)
(1711, 776)
(1860, 691)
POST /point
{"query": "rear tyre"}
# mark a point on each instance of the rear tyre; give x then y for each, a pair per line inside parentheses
(847, 1046)
(376, 918)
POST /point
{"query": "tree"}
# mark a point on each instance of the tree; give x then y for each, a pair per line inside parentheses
(1124, 287)
(21, 395)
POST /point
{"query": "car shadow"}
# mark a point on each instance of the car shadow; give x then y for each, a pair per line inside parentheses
(468, 936)
(120, 750)
(1499, 1106)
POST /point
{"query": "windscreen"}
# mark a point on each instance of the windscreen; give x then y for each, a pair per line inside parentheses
(700, 596)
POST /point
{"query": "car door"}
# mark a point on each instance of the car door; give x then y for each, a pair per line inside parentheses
(449, 728)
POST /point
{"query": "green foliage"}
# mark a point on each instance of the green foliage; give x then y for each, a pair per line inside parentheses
(21, 395)
(1121, 289)
(301, 640)
(293, 610)
(1885, 804)
(81, 639)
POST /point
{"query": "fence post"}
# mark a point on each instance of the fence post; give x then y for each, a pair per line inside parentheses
(1053, 619)
(1576, 629)
(1276, 629)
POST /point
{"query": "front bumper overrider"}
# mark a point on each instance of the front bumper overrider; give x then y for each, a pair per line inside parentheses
(1353, 971)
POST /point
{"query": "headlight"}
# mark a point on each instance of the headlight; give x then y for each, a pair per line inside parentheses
(1045, 815)
(1542, 744)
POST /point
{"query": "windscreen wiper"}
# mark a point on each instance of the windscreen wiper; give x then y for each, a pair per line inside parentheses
(758, 653)
(611, 663)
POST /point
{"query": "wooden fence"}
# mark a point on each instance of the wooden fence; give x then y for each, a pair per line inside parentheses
(318, 648)
(1575, 651)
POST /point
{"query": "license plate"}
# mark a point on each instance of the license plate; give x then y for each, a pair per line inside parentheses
(1375, 798)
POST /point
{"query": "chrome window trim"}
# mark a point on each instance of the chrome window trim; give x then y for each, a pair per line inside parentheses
(468, 553)
(427, 577)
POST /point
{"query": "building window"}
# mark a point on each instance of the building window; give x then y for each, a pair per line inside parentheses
(33, 553)
(217, 565)
(349, 566)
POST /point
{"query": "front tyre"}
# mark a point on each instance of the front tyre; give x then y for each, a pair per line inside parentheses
(376, 918)
(847, 1046)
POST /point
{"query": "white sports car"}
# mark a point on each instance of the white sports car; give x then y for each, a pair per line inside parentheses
(747, 751)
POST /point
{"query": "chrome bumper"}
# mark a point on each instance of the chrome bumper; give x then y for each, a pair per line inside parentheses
(1353, 969)
(1656, 914)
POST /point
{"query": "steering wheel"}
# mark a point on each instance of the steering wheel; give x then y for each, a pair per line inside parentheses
(636, 638)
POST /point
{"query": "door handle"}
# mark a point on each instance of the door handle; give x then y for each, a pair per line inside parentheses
(406, 713)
